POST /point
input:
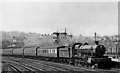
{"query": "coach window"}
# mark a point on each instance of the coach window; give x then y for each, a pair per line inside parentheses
(53, 51)
(44, 51)
(49, 50)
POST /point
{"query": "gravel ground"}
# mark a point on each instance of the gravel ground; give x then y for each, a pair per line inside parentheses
(7, 69)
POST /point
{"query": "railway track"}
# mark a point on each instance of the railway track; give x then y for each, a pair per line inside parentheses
(42, 66)
(29, 64)
(36, 66)
(21, 68)
(76, 68)
(52, 66)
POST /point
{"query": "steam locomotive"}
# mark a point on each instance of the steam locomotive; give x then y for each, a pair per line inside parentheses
(75, 54)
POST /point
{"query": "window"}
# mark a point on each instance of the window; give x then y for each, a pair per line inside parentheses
(50, 50)
(53, 51)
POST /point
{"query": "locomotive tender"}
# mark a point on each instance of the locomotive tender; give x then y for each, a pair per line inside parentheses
(76, 54)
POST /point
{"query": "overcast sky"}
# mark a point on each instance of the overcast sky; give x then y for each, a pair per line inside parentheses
(46, 17)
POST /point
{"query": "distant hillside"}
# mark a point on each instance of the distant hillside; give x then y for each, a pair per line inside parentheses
(29, 39)
(34, 39)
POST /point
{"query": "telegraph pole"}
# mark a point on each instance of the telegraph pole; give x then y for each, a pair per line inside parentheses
(65, 30)
(95, 36)
(118, 47)
(65, 33)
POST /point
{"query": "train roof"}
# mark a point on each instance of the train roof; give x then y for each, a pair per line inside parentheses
(87, 47)
(48, 47)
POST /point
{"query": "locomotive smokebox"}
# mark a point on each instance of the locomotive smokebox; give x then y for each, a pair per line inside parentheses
(102, 63)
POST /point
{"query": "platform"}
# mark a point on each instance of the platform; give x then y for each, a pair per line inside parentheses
(115, 59)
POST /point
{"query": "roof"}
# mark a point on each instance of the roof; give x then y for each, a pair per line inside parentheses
(49, 47)
(86, 47)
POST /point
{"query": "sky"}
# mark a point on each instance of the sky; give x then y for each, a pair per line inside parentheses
(84, 18)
